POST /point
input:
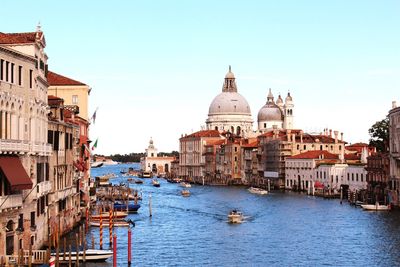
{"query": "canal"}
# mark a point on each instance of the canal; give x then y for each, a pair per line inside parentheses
(280, 229)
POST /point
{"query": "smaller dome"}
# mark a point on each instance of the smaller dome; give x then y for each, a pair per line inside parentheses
(270, 112)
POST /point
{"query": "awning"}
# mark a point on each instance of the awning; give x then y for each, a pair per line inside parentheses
(319, 185)
(15, 173)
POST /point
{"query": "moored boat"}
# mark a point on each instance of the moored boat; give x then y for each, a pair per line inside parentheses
(256, 190)
(120, 206)
(186, 185)
(155, 183)
(138, 181)
(235, 216)
(375, 207)
(90, 255)
(106, 215)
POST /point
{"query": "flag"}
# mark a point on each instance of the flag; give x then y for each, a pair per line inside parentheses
(95, 144)
(94, 116)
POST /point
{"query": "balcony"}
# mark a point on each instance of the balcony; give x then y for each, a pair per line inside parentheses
(42, 149)
(14, 146)
(11, 202)
(44, 188)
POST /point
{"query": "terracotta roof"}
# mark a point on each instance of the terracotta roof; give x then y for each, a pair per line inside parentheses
(315, 154)
(19, 38)
(204, 133)
(57, 79)
(215, 142)
(251, 145)
(52, 97)
(352, 157)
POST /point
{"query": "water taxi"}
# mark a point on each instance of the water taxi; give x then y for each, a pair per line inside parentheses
(235, 216)
(186, 185)
(256, 190)
(375, 207)
(91, 255)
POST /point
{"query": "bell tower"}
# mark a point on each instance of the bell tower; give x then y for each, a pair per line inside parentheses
(288, 112)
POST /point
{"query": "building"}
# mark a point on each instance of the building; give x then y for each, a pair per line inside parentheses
(277, 115)
(276, 145)
(151, 162)
(211, 148)
(378, 176)
(249, 161)
(229, 111)
(24, 152)
(64, 199)
(320, 170)
(191, 154)
(73, 92)
(75, 96)
(394, 154)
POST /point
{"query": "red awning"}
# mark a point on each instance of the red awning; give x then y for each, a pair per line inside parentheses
(15, 173)
(318, 185)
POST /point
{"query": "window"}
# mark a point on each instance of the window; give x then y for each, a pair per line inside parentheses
(265, 125)
(33, 224)
(21, 222)
(1, 69)
(12, 72)
(75, 99)
(30, 78)
(348, 176)
(235, 149)
(7, 68)
(352, 176)
(357, 177)
(305, 147)
(19, 75)
(362, 177)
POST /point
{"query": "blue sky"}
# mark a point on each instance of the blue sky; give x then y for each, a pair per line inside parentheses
(155, 66)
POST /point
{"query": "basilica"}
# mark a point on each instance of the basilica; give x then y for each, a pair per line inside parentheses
(230, 112)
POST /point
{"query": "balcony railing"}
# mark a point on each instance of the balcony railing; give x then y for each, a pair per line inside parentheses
(41, 148)
(10, 201)
(17, 146)
(44, 188)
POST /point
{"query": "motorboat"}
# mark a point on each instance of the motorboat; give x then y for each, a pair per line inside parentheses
(92, 255)
(107, 224)
(106, 215)
(256, 190)
(186, 185)
(185, 193)
(155, 183)
(235, 216)
(96, 164)
(138, 181)
(121, 206)
(375, 207)
(146, 174)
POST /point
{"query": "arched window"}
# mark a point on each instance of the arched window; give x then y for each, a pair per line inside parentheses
(238, 130)
(216, 128)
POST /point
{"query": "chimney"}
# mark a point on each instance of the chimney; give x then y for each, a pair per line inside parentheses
(336, 136)
(394, 104)
(330, 132)
(341, 137)
(293, 138)
(288, 132)
(301, 136)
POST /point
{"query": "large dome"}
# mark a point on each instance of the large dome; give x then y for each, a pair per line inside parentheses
(229, 103)
(270, 112)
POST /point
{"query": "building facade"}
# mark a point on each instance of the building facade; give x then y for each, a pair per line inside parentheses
(151, 162)
(24, 152)
(394, 154)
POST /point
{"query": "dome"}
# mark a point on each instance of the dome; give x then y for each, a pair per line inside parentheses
(270, 112)
(229, 103)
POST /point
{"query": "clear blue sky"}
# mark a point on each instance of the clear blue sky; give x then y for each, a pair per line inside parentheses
(155, 66)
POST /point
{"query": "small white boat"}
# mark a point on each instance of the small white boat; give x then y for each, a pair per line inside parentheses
(375, 207)
(90, 255)
(186, 185)
(185, 193)
(256, 190)
(235, 216)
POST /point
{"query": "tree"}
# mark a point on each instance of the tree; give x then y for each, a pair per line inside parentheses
(379, 133)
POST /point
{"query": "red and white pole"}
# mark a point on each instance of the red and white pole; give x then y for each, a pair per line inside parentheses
(114, 251)
(52, 261)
